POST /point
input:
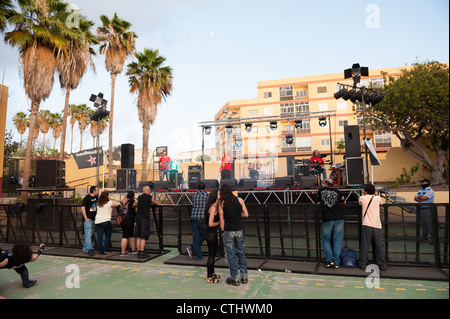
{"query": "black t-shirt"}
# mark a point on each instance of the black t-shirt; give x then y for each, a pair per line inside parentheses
(232, 215)
(144, 205)
(90, 204)
(8, 255)
(330, 199)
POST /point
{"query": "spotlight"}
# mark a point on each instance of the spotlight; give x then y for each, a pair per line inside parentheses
(377, 98)
(98, 100)
(340, 93)
(207, 130)
(289, 139)
(322, 121)
(357, 97)
(298, 124)
(238, 142)
(248, 127)
(174, 166)
(349, 94)
(229, 129)
(368, 98)
(273, 125)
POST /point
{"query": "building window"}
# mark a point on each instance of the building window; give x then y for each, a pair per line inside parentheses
(288, 129)
(301, 94)
(303, 143)
(253, 113)
(323, 107)
(302, 107)
(383, 140)
(287, 108)
(268, 111)
(341, 105)
(325, 142)
(267, 94)
(321, 89)
(343, 123)
(286, 93)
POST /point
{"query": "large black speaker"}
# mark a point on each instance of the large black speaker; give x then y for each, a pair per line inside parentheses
(127, 156)
(161, 185)
(248, 183)
(289, 165)
(232, 182)
(211, 183)
(354, 170)
(283, 182)
(50, 173)
(193, 179)
(145, 183)
(352, 141)
(126, 179)
(308, 181)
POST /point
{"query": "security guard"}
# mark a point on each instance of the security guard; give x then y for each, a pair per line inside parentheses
(425, 196)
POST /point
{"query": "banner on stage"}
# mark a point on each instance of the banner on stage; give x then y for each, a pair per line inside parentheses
(89, 158)
(372, 153)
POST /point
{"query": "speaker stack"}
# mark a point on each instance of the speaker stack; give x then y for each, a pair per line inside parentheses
(352, 141)
(50, 173)
(194, 176)
(354, 163)
(126, 175)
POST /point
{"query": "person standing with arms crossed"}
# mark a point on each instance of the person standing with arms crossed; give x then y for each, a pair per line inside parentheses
(89, 210)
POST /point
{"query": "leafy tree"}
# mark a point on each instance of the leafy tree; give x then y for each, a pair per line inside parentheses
(416, 109)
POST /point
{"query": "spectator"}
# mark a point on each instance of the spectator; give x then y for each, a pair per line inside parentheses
(89, 210)
(103, 221)
(371, 230)
(17, 258)
(128, 212)
(425, 196)
(212, 222)
(332, 222)
(199, 200)
(231, 211)
(142, 221)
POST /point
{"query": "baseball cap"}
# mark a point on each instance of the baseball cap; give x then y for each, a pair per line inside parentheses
(424, 180)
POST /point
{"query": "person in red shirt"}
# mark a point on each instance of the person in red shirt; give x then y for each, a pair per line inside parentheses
(225, 167)
(317, 165)
(164, 166)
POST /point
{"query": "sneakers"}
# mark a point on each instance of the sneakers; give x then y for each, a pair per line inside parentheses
(331, 264)
(233, 282)
(124, 254)
(189, 251)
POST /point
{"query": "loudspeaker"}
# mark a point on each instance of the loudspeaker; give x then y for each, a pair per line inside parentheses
(145, 183)
(248, 183)
(289, 164)
(232, 182)
(352, 141)
(308, 181)
(50, 173)
(126, 179)
(211, 183)
(127, 156)
(283, 182)
(354, 169)
(193, 177)
(161, 185)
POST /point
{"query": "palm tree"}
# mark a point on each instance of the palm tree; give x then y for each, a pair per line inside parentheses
(44, 123)
(73, 111)
(56, 120)
(72, 68)
(117, 44)
(6, 11)
(82, 117)
(153, 82)
(38, 32)
(20, 122)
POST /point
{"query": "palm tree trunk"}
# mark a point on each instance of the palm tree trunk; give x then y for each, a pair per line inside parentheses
(145, 133)
(110, 150)
(27, 165)
(64, 127)
(71, 140)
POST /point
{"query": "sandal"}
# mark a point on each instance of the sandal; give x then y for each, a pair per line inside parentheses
(215, 276)
(213, 280)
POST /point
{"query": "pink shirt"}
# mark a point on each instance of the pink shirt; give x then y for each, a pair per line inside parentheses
(372, 218)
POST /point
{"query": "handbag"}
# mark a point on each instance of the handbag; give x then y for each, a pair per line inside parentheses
(121, 217)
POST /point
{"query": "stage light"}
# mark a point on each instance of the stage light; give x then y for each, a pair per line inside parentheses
(289, 139)
(340, 93)
(298, 124)
(273, 125)
(98, 100)
(238, 142)
(368, 98)
(207, 130)
(174, 166)
(229, 129)
(248, 127)
(349, 94)
(322, 121)
(101, 112)
(377, 98)
(357, 97)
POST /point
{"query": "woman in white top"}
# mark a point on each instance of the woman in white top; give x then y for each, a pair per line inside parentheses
(103, 221)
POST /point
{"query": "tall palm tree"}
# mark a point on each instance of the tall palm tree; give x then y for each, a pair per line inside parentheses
(44, 123)
(20, 122)
(6, 11)
(117, 42)
(39, 26)
(82, 117)
(73, 111)
(72, 68)
(153, 82)
(56, 120)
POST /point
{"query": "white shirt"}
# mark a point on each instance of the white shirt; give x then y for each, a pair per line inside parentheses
(104, 213)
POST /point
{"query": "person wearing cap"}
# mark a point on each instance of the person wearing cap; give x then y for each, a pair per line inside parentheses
(425, 196)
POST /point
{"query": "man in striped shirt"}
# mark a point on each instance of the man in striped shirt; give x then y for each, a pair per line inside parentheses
(199, 200)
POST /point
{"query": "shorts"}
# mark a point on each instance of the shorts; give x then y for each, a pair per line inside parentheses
(142, 229)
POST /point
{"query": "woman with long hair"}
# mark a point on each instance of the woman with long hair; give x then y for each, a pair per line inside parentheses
(231, 210)
(212, 222)
(129, 212)
(103, 221)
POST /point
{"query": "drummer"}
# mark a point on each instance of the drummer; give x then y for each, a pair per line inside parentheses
(317, 165)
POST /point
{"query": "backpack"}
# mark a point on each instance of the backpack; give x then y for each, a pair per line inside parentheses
(124, 209)
(348, 258)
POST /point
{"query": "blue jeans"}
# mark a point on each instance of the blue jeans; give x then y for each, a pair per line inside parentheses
(333, 229)
(234, 245)
(166, 173)
(103, 229)
(317, 172)
(88, 233)
(197, 237)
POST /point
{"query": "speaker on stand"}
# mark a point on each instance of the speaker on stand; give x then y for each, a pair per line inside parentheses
(352, 141)
(354, 170)
(127, 156)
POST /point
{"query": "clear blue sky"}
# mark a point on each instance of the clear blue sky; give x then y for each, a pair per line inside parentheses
(220, 49)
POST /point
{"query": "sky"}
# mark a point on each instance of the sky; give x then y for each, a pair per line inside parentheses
(219, 50)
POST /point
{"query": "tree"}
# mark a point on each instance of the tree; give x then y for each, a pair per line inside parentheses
(20, 122)
(82, 117)
(117, 42)
(56, 120)
(6, 11)
(153, 82)
(38, 29)
(416, 110)
(44, 122)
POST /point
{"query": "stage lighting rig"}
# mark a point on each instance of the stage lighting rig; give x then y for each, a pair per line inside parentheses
(248, 127)
(322, 121)
(273, 125)
(100, 103)
(207, 130)
(289, 139)
(298, 124)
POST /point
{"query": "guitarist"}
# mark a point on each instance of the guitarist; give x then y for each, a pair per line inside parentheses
(164, 166)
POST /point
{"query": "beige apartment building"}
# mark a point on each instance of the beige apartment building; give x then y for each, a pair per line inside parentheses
(309, 97)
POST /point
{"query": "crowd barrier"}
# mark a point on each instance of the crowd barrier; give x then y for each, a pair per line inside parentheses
(272, 231)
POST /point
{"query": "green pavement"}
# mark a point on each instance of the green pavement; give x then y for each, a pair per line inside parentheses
(100, 279)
